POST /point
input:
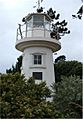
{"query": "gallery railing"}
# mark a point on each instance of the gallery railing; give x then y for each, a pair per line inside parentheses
(35, 29)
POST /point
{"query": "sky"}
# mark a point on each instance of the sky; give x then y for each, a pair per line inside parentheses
(12, 12)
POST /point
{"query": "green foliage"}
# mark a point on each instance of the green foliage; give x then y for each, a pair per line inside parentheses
(59, 29)
(17, 67)
(62, 67)
(67, 68)
(60, 58)
(21, 98)
(68, 97)
(79, 13)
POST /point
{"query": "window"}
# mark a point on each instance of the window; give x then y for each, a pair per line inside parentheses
(37, 59)
(38, 21)
(37, 75)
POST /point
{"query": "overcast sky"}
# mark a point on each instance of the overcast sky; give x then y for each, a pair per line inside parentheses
(12, 12)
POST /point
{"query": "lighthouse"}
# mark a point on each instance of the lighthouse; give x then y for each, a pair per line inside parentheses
(34, 40)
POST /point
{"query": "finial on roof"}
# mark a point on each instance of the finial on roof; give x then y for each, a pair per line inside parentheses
(39, 2)
(39, 8)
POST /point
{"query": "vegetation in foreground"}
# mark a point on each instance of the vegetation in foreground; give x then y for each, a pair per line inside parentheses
(21, 98)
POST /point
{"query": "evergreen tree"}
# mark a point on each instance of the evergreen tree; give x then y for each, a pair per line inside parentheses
(60, 58)
(59, 29)
(79, 13)
(67, 68)
(68, 97)
(21, 98)
(17, 67)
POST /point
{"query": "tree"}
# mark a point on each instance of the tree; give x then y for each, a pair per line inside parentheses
(21, 98)
(79, 13)
(67, 68)
(58, 28)
(61, 67)
(68, 97)
(17, 67)
(60, 58)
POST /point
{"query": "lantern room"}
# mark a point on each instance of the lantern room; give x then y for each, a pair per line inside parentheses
(38, 20)
(34, 24)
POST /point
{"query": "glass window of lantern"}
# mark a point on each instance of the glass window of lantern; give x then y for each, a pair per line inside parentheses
(29, 27)
(29, 23)
(38, 21)
(47, 23)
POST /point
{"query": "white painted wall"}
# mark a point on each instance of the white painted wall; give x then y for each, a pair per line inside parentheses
(40, 32)
(47, 67)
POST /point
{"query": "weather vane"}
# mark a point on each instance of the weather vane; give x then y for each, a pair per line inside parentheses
(39, 1)
(39, 9)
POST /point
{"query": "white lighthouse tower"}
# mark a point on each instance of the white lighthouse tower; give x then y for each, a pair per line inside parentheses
(34, 40)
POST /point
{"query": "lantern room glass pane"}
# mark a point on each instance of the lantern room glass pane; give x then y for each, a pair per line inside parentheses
(47, 23)
(38, 21)
(29, 27)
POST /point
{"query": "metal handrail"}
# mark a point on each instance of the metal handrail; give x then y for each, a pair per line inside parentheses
(28, 28)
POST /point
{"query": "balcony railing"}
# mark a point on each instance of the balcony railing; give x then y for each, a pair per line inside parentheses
(35, 29)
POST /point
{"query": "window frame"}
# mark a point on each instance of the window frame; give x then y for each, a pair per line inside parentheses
(37, 75)
(38, 21)
(37, 59)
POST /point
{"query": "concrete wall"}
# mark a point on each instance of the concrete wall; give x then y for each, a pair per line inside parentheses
(47, 66)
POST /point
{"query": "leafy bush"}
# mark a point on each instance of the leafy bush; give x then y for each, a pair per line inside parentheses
(68, 97)
(67, 68)
(21, 98)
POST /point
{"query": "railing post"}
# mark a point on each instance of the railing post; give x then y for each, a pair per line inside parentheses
(49, 27)
(20, 30)
(17, 35)
(44, 29)
(26, 30)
